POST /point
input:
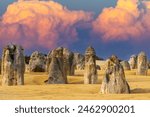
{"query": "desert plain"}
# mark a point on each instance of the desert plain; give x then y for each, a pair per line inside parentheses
(36, 89)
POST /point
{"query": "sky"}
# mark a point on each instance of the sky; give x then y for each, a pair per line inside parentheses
(87, 5)
(119, 27)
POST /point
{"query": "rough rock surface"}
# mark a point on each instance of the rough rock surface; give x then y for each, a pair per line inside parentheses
(90, 75)
(142, 64)
(133, 62)
(37, 62)
(68, 57)
(79, 61)
(13, 65)
(114, 81)
(125, 64)
(56, 72)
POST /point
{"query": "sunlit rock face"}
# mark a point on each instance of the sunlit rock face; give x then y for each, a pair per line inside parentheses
(79, 61)
(114, 81)
(142, 64)
(133, 62)
(47, 24)
(57, 74)
(68, 61)
(125, 64)
(90, 72)
(37, 62)
(13, 65)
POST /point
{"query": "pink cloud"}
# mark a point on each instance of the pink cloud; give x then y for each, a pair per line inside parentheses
(125, 21)
(41, 23)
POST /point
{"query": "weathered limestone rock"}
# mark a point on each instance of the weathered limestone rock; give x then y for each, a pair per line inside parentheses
(142, 64)
(13, 65)
(114, 81)
(126, 65)
(79, 61)
(49, 59)
(37, 62)
(68, 57)
(56, 68)
(68, 61)
(133, 62)
(90, 75)
(102, 64)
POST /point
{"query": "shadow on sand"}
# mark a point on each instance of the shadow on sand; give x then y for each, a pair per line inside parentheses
(82, 82)
(140, 90)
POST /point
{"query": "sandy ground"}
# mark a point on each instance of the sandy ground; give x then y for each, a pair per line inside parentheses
(35, 89)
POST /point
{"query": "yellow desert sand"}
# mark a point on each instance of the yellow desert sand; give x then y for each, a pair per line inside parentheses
(35, 89)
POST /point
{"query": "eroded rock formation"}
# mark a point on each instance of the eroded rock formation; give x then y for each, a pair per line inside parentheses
(57, 74)
(114, 81)
(90, 75)
(133, 62)
(68, 57)
(68, 61)
(13, 65)
(125, 64)
(37, 62)
(142, 64)
(79, 61)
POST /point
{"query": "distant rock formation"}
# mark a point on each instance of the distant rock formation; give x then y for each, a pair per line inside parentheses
(114, 81)
(27, 59)
(98, 67)
(102, 64)
(79, 61)
(125, 64)
(90, 72)
(56, 67)
(142, 64)
(37, 62)
(133, 62)
(13, 65)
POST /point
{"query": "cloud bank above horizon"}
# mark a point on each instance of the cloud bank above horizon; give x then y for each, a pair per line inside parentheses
(128, 20)
(45, 24)
(48, 24)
